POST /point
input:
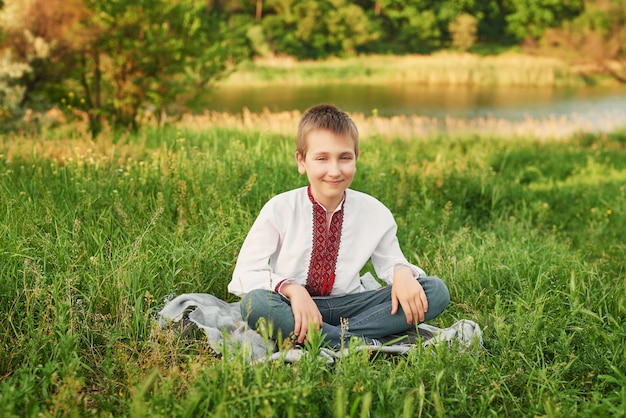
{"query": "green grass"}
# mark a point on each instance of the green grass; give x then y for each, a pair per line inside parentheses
(528, 235)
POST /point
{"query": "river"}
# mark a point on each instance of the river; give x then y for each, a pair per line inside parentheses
(602, 107)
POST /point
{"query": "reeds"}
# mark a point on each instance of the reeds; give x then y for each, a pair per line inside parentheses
(443, 68)
(415, 126)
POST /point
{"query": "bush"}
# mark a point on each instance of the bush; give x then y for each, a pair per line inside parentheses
(463, 31)
(11, 93)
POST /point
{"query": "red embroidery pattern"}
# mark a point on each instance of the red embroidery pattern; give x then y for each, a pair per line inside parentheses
(325, 250)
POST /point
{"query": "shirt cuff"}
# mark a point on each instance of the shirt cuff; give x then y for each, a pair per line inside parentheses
(280, 285)
(415, 271)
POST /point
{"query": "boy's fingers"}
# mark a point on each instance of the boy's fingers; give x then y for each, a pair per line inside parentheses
(408, 312)
(303, 332)
(394, 305)
(303, 324)
(421, 308)
(423, 304)
(296, 326)
(417, 311)
(416, 314)
(420, 316)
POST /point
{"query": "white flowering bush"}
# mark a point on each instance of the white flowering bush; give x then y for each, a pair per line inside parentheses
(11, 92)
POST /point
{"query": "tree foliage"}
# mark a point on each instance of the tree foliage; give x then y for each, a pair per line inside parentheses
(439, 14)
(463, 31)
(596, 39)
(531, 18)
(412, 27)
(313, 29)
(150, 52)
(11, 92)
(122, 56)
(39, 33)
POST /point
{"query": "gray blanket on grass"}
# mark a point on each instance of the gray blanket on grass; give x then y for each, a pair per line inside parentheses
(224, 328)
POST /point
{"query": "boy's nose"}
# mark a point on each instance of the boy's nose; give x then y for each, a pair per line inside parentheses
(333, 169)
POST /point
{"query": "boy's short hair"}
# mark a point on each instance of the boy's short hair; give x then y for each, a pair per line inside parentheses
(328, 117)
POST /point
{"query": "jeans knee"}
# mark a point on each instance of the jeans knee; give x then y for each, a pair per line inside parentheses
(268, 306)
(438, 295)
(445, 295)
(253, 304)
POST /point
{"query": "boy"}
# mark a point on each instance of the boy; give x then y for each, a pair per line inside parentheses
(299, 267)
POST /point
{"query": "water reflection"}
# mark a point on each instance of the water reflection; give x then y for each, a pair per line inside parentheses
(510, 103)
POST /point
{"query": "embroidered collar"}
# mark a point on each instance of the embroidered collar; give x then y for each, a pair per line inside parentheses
(326, 243)
(316, 202)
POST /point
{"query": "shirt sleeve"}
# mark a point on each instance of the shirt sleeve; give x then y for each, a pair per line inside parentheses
(252, 270)
(388, 256)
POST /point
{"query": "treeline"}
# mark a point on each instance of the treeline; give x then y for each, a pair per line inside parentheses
(117, 60)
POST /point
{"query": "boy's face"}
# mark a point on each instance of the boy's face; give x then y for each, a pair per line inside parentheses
(330, 165)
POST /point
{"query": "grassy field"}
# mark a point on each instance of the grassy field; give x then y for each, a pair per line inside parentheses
(527, 232)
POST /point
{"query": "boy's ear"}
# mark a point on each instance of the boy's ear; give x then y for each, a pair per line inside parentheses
(300, 161)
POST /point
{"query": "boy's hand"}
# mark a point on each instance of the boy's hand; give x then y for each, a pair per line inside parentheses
(305, 311)
(408, 293)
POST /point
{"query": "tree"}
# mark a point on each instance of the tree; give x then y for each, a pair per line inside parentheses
(408, 27)
(463, 31)
(123, 56)
(596, 40)
(317, 29)
(150, 52)
(259, 10)
(11, 93)
(424, 25)
(531, 18)
(37, 34)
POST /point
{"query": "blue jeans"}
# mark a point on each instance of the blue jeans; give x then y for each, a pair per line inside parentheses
(368, 314)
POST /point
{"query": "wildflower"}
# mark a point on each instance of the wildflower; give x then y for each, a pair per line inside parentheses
(608, 212)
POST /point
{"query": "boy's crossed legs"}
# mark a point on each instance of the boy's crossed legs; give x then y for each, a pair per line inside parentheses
(368, 314)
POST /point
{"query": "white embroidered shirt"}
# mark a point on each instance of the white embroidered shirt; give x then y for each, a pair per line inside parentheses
(282, 246)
